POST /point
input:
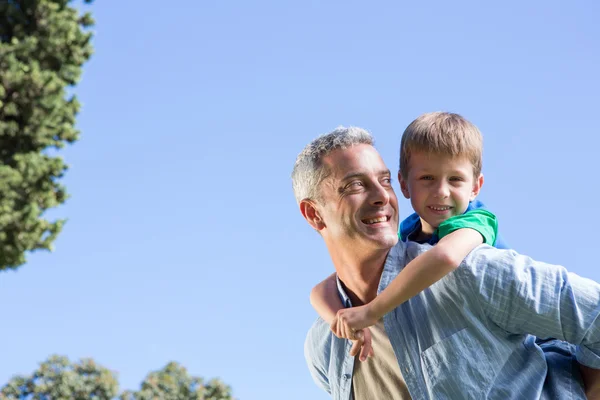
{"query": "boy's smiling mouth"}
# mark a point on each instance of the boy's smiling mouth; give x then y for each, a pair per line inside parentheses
(440, 209)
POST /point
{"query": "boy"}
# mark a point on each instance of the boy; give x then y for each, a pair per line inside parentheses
(440, 172)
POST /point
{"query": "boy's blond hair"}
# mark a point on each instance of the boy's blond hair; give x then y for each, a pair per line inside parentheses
(442, 133)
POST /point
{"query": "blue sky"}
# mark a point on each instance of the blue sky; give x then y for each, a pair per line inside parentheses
(184, 241)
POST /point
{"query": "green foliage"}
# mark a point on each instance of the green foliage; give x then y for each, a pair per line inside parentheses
(43, 44)
(174, 383)
(59, 379)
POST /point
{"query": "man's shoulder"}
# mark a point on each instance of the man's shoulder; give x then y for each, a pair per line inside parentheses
(319, 337)
(488, 262)
(485, 253)
(317, 352)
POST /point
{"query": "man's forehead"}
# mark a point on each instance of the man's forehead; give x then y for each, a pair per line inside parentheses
(357, 160)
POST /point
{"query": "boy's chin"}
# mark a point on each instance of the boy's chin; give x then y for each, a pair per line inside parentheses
(429, 226)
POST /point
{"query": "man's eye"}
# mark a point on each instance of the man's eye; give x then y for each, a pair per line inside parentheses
(387, 181)
(354, 184)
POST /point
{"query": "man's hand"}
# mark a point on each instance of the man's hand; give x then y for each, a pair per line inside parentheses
(350, 320)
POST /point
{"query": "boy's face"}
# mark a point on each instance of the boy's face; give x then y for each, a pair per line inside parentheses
(439, 187)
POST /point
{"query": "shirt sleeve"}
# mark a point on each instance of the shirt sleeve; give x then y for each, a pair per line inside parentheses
(480, 220)
(524, 296)
(317, 354)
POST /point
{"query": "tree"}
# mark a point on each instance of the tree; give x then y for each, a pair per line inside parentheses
(58, 379)
(174, 383)
(43, 44)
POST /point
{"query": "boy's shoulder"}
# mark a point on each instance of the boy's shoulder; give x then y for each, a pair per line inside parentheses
(500, 243)
(476, 205)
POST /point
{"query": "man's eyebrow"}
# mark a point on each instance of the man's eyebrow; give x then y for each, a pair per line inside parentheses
(353, 175)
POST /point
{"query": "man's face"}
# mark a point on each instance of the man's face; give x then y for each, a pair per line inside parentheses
(439, 187)
(358, 206)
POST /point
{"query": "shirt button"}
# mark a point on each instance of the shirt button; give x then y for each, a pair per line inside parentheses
(346, 377)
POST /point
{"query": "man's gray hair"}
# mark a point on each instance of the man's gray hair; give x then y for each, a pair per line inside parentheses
(309, 170)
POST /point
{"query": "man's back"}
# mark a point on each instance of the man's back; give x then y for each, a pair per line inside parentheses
(467, 335)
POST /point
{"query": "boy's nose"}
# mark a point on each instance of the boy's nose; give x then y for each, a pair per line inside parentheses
(442, 191)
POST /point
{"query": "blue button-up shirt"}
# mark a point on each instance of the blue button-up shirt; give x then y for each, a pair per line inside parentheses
(468, 335)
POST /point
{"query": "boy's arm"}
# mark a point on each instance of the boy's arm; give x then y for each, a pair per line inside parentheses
(325, 299)
(425, 270)
(455, 243)
(418, 275)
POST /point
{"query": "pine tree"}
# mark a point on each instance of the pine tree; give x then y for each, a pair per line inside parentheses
(43, 44)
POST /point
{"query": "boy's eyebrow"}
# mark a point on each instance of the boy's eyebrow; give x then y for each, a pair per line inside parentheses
(353, 175)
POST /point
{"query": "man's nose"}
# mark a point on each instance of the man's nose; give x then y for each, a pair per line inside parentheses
(380, 195)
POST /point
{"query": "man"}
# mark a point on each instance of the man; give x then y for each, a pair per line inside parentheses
(465, 337)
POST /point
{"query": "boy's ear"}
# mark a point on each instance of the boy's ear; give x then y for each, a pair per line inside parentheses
(310, 212)
(476, 187)
(403, 186)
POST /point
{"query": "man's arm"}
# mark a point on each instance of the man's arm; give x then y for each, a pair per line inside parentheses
(522, 295)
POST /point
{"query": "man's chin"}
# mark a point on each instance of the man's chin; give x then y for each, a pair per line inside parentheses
(384, 242)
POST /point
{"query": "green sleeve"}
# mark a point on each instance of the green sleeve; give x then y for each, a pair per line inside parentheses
(480, 220)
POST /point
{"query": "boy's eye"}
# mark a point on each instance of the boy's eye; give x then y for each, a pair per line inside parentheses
(456, 179)
(426, 178)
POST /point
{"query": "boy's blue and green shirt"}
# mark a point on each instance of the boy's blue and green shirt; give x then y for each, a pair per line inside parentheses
(476, 217)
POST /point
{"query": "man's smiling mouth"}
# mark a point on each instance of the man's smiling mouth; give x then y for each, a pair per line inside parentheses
(371, 221)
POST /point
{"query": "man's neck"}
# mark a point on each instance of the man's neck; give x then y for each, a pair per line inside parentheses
(360, 275)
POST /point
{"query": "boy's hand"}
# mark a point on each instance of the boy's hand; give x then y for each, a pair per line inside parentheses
(343, 326)
(350, 320)
(361, 342)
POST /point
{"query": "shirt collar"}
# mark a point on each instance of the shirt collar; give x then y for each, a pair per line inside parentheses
(409, 226)
(343, 296)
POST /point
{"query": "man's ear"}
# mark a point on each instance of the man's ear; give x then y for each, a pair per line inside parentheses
(476, 187)
(403, 186)
(309, 211)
